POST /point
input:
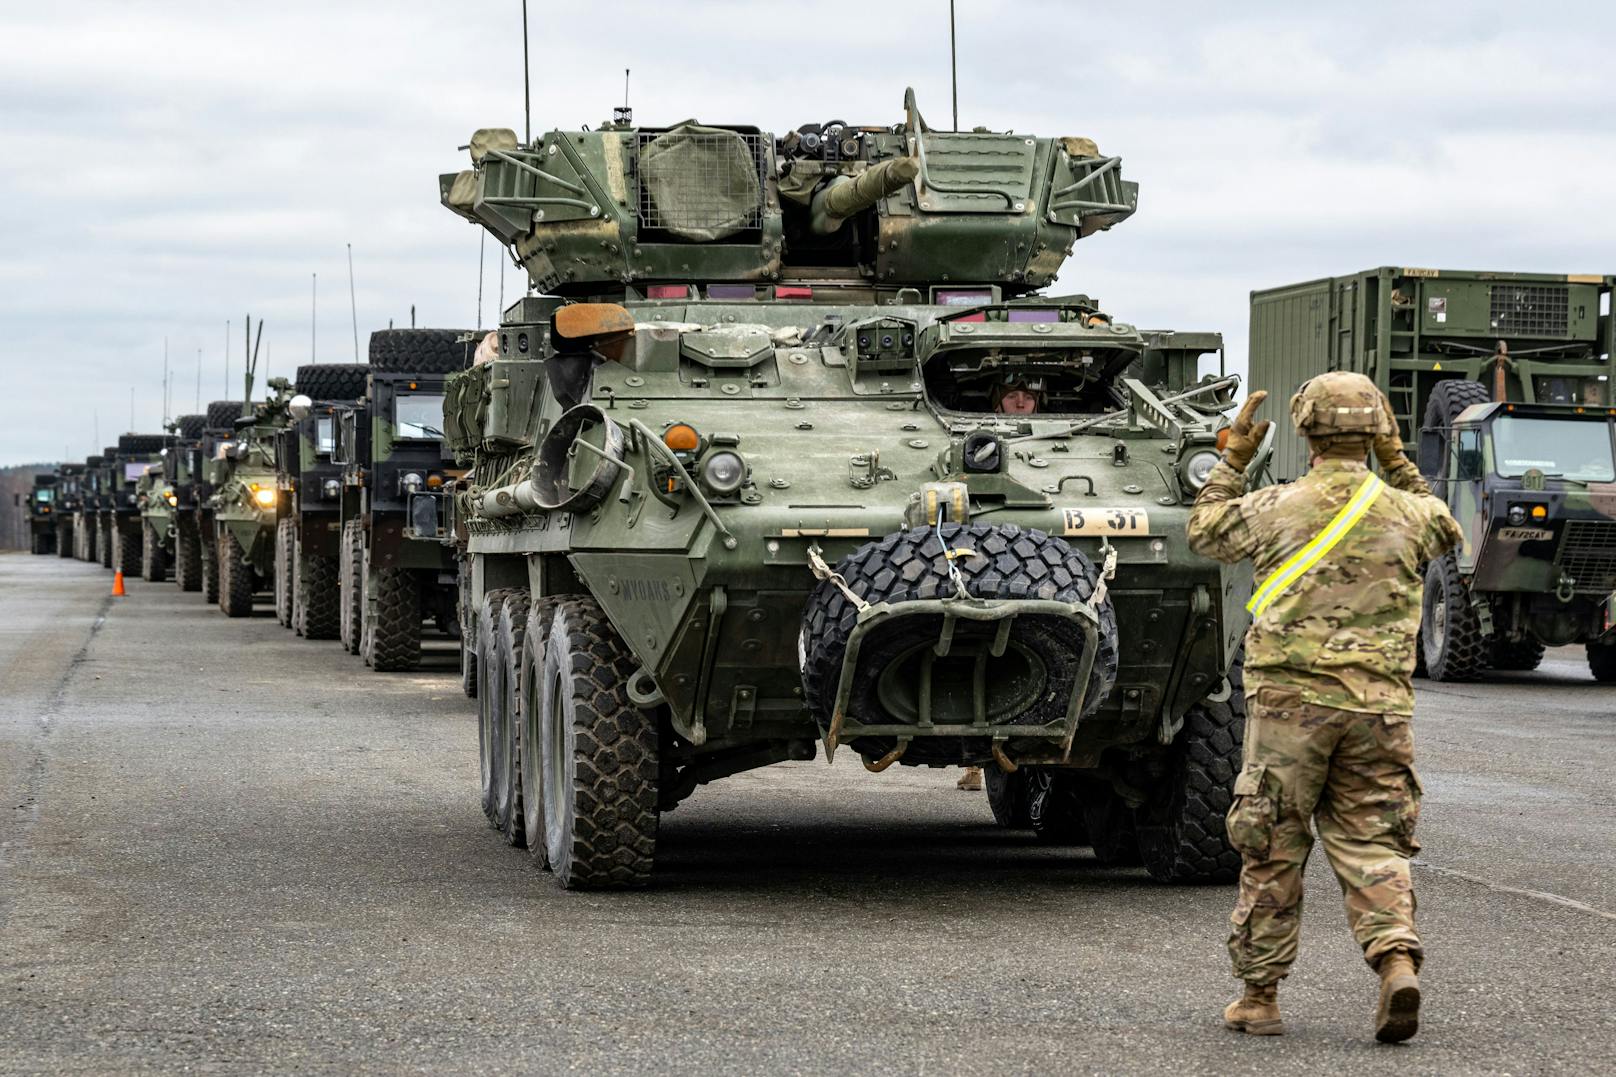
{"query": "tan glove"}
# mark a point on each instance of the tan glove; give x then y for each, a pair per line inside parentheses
(1244, 435)
(1388, 447)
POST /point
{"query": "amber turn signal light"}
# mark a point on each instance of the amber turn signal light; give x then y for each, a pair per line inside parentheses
(681, 437)
(1223, 439)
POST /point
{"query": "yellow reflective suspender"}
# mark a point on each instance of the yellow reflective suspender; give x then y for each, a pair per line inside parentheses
(1322, 543)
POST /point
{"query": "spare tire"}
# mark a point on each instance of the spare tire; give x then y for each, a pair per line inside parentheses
(222, 414)
(137, 443)
(1448, 399)
(333, 381)
(191, 426)
(1029, 684)
(422, 351)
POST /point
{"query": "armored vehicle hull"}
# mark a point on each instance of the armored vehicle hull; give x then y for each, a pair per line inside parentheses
(43, 508)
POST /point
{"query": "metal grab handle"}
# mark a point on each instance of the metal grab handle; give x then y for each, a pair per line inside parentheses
(916, 127)
(639, 427)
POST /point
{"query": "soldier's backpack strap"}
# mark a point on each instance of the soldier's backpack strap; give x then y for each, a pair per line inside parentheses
(1304, 559)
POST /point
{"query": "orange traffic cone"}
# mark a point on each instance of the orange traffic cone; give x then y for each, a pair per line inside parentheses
(117, 584)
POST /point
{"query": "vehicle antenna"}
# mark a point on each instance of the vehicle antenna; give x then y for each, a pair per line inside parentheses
(353, 303)
(412, 315)
(482, 247)
(625, 115)
(527, 89)
(953, 65)
(165, 381)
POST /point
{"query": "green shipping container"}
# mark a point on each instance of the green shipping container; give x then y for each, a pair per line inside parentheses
(1408, 329)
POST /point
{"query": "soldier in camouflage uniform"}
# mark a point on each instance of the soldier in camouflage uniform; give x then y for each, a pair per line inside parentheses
(1338, 556)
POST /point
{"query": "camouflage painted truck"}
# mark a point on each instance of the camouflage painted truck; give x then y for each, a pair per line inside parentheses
(245, 503)
(129, 460)
(68, 498)
(87, 516)
(744, 487)
(307, 536)
(159, 494)
(42, 513)
(396, 572)
(193, 515)
(1502, 380)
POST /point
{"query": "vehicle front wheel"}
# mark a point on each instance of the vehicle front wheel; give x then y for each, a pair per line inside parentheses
(235, 578)
(1007, 796)
(1450, 631)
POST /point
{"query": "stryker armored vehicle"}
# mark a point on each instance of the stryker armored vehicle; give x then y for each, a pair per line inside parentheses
(1527, 481)
(68, 498)
(194, 517)
(42, 514)
(793, 454)
(396, 571)
(87, 516)
(245, 502)
(124, 467)
(307, 543)
(160, 493)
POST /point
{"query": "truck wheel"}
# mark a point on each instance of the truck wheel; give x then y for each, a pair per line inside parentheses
(599, 755)
(420, 351)
(187, 556)
(530, 676)
(103, 544)
(1112, 833)
(1007, 796)
(36, 543)
(283, 571)
(511, 630)
(1055, 807)
(210, 570)
(128, 549)
(351, 586)
(152, 569)
(490, 702)
(64, 540)
(333, 381)
(1602, 661)
(394, 633)
(1447, 400)
(1450, 632)
(468, 629)
(1182, 833)
(235, 578)
(1516, 654)
(318, 596)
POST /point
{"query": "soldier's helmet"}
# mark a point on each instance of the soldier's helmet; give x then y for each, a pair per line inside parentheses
(1340, 402)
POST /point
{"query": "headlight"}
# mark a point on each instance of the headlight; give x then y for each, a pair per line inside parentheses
(331, 488)
(412, 482)
(264, 497)
(723, 472)
(168, 495)
(1517, 515)
(1197, 467)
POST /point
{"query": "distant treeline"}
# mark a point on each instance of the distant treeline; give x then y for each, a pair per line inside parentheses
(14, 520)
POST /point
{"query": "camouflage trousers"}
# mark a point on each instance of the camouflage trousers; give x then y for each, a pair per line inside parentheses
(1352, 774)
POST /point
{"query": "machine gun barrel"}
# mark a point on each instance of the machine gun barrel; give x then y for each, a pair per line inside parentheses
(846, 195)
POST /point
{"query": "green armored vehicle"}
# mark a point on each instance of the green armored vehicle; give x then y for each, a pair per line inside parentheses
(307, 545)
(124, 467)
(66, 503)
(793, 455)
(245, 503)
(396, 572)
(193, 516)
(42, 513)
(1503, 382)
(160, 493)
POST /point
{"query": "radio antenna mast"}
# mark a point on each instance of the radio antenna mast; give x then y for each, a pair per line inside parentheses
(527, 88)
(953, 65)
(353, 303)
(165, 382)
(625, 115)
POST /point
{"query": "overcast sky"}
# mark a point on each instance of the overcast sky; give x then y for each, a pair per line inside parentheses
(167, 167)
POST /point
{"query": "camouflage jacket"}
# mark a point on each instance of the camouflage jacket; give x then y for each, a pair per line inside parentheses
(1343, 635)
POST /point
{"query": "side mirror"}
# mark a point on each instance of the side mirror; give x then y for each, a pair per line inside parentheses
(300, 406)
(1257, 471)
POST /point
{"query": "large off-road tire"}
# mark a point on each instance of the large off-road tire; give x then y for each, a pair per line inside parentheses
(468, 629)
(104, 542)
(235, 578)
(210, 569)
(510, 631)
(1008, 795)
(285, 535)
(37, 544)
(530, 679)
(1009, 562)
(153, 558)
(1112, 833)
(1447, 400)
(222, 414)
(1450, 631)
(1602, 661)
(1516, 655)
(392, 628)
(318, 596)
(64, 539)
(599, 755)
(187, 555)
(333, 381)
(1055, 807)
(1182, 833)
(491, 700)
(142, 443)
(127, 555)
(351, 586)
(420, 351)
(192, 426)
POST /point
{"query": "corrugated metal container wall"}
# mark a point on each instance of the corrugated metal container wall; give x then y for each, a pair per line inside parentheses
(1289, 343)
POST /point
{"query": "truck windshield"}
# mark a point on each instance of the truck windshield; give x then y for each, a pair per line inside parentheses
(132, 472)
(418, 415)
(44, 495)
(1574, 449)
(323, 438)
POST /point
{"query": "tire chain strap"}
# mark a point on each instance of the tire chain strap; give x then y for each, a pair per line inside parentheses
(950, 555)
(1108, 570)
(822, 571)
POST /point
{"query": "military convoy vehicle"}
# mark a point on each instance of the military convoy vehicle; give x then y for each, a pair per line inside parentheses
(1502, 380)
(196, 517)
(758, 475)
(307, 545)
(42, 514)
(396, 572)
(86, 516)
(245, 503)
(159, 493)
(123, 466)
(67, 499)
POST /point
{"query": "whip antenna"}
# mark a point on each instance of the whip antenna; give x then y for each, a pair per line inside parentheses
(953, 65)
(354, 304)
(527, 90)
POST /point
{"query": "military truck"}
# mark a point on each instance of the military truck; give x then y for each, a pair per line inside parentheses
(747, 485)
(108, 485)
(194, 518)
(159, 493)
(245, 502)
(123, 466)
(396, 572)
(87, 516)
(67, 499)
(307, 545)
(1524, 478)
(42, 513)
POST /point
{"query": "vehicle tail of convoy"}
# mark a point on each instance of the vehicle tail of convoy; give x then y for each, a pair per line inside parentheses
(1502, 381)
(743, 488)
(44, 507)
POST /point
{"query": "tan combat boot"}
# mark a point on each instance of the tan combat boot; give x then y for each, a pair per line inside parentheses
(1256, 1012)
(971, 780)
(1397, 1017)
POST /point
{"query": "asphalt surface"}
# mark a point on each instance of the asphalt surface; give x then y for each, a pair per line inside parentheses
(225, 848)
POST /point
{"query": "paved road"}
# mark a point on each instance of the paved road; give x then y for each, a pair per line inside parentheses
(227, 848)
